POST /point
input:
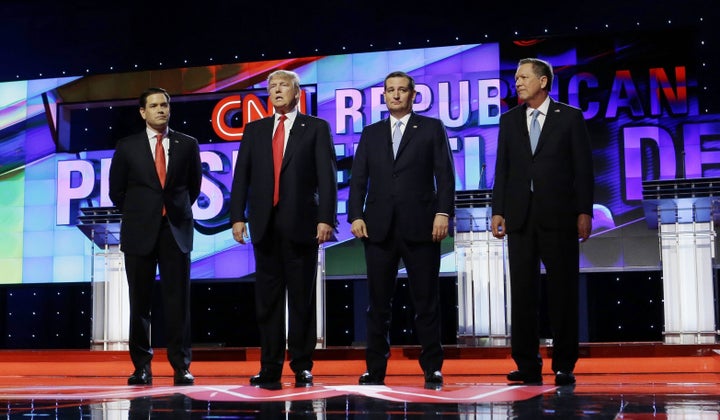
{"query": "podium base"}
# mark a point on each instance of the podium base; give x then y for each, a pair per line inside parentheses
(110, 346)
(484, 341)
(701, 337)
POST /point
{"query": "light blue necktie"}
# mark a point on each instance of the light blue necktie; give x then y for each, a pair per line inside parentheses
(397, 136)
(534, 130)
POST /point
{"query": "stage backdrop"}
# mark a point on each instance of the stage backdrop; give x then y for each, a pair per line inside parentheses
(639, 95)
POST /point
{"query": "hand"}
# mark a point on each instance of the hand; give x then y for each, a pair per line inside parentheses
(498, 226)
(584, 224)
(324, 232)
(239, 231)
(359, 229)
(440, 227)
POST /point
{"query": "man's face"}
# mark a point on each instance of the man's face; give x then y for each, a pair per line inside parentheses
(283, 95)
(156, 112)
(529, 87)
(399, 97)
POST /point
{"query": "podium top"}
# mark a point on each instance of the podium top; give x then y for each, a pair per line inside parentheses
(101, 225)
(473, 198)
(473, 210)
(681, 188)
(681, 200)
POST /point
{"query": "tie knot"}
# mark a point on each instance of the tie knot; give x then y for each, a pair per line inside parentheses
(535, 113)
(282, 118)
(159, 137)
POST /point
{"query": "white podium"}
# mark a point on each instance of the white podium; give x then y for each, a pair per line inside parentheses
(683, 211)
(483, 277)
(320, 300)
(110, 300)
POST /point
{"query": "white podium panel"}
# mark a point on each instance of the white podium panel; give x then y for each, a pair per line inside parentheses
(687, 253)
(111, 303)
(320, 299)
(483, 288)
(320, 326)
(483, 275)
(684, 211)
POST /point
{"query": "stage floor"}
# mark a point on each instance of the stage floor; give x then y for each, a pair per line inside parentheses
(620, 380)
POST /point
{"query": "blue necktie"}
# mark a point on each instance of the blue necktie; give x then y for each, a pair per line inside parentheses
(397, 136)
(534, 130)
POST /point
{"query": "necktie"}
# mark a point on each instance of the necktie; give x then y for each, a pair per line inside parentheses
(534, 130)
(396, 137)
(278, 145)
(160, 162)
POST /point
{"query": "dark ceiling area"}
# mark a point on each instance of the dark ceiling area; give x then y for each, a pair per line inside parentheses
(50, 39)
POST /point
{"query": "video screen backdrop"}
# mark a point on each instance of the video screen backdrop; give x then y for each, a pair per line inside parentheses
(639, 95)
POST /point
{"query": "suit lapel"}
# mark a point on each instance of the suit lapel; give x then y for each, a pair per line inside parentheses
(551, 119)
(296, 134)
(173, 155)
(412, 126)
(147, 158)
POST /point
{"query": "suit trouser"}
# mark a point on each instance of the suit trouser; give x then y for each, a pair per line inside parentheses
(422, 261)
(283, 265)
(559, 252)
(174, 267)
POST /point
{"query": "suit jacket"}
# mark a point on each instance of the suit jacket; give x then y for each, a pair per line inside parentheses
(135, 189)
(418, 183)
(308, 180)
(561, 168)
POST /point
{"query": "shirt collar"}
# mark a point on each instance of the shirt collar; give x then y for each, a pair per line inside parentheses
(543, 108)
(405, 118)
(152, 133)
(290, 115)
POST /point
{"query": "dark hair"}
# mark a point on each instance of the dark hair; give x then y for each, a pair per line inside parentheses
(411, 81)
(152, 91)
(540, 68)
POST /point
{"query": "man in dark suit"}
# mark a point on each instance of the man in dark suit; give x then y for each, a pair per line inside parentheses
(155, 199)
(402, 192)
(288, 219)
(543, 200)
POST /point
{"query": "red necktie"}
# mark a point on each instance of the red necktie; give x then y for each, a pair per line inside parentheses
(278, 146)
(160, 162)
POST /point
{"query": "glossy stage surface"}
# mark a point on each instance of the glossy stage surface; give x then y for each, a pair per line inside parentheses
(615, 381)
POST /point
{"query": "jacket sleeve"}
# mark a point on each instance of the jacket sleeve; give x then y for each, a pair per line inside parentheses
(501, 168)
(241, 181)
(117, 177)
(583, 165)
(195, 180)
(358, 180)
(444, 169)
(326, 167)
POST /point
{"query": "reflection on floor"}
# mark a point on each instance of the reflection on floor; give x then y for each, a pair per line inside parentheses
(625, 381)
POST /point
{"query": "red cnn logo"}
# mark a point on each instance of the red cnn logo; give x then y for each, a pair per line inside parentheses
(251, 107)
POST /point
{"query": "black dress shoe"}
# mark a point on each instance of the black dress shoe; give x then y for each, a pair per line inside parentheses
(140, 377)
(368, 379)
(526, 378)
(183, 377)
(266, 379)
(304, 378)
(433, 380)
(564, 378)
